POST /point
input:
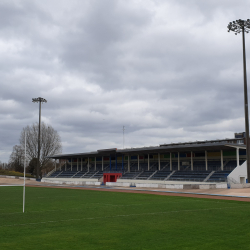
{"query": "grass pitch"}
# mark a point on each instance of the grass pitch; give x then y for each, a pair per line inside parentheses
(82, 219)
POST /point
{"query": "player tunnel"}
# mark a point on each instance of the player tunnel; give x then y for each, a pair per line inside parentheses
(111, 177)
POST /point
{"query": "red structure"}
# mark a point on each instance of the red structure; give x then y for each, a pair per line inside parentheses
(111, 177)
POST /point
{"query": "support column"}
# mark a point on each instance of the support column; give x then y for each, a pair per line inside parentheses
(128, 163)
(102, 163)
(88, 164)
(81, 164)
(148, 163)
(171, 167)
(66, 164)
(138, 159)
(115, 162)
(159, 161)
(206, 160)
(95, 163)
(221, 158)
(77, 164)
(192, 163)
(122, 162)
(110, 162)
(71, 163)
(237, 157)
(179, 162)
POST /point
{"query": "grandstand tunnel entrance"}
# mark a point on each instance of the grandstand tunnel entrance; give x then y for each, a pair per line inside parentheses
(111, 177)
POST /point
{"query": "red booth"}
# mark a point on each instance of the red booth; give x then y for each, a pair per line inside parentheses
(111, 177)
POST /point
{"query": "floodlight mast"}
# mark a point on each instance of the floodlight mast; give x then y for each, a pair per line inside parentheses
(237, 27)
(40, 100)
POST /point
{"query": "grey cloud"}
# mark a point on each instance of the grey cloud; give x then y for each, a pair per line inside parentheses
(166, 70)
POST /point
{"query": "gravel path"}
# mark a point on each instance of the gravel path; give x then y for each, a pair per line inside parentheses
(223, 194)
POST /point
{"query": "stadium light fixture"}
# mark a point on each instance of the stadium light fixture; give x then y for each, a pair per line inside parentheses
(242, 26)
(40, 100)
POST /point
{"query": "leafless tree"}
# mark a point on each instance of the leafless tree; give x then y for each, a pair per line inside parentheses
(4, 165)
(16, 161)
(50, 143)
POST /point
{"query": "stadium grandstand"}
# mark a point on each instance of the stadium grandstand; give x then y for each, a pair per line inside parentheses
(199, 161)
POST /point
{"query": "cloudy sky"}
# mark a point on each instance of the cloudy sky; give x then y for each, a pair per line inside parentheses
(167, 70)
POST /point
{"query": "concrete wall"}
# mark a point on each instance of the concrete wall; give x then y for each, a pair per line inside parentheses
(131, 183)
(157, 181)
(234, 176)
(75, 181)
(245, 185)
(138, 183)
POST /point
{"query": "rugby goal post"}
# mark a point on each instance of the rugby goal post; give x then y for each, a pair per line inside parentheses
(24, 171)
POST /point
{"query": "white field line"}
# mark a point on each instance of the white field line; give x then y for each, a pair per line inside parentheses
(119, 215)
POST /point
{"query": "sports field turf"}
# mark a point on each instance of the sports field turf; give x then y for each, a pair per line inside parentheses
(83, 219)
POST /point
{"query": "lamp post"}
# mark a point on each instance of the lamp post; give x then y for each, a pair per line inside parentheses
(40, 100)
(237, 27)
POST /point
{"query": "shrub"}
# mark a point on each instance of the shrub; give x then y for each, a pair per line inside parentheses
(13, 173)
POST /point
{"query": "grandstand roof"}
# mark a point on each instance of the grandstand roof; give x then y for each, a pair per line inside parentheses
(215, 145)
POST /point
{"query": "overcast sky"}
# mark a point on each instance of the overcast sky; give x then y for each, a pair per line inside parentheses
(166, 70)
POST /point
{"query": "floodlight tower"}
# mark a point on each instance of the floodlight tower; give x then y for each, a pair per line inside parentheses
(123, 129)
(40, 100)
(237, 27)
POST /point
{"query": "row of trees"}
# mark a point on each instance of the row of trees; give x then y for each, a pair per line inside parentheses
(50, 144)
(3, 165)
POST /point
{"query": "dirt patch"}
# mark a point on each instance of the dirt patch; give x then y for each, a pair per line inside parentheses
(217, 194)
(206, 196)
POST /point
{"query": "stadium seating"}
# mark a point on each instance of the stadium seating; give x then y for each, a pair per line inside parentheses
(160, 175)
(130, 175)
(189, 176)
(144, 175)
(143, 166)
(219, 176)
(230, 165)
(99, 167)
(89, 174)
(98, 175)
(184, 174)
(174, 165)
(66, 174)
(54, 174)
(79, 174)
(199, 165)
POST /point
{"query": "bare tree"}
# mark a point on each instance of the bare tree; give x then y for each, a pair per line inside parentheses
(4, 165)
(1, 165)
(16, 161)
(50, 143)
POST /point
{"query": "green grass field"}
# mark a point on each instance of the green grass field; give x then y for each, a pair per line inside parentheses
(82, 219)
